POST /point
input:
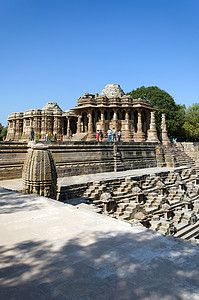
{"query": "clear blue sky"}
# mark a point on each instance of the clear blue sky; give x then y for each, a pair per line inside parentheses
(56, 50)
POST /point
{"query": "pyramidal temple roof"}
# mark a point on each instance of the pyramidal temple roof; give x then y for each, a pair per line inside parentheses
(112, 91)
(51, 106)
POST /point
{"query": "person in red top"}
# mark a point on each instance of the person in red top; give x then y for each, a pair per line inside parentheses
(98, 135)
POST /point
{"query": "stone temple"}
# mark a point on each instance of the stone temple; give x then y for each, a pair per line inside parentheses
(111, 109)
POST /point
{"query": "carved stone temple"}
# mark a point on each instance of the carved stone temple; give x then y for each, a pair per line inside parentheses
(112, 109)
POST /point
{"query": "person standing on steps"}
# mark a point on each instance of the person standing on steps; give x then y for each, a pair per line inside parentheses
(109, 135)
(101, 135)
(114, 135)
(32, 135)
(119, 135)
(98, 135)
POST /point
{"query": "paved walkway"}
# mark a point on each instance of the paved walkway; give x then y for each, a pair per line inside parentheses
(50, 250)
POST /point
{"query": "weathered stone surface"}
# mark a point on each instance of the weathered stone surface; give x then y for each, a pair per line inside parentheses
(39, 172)
(112, 90)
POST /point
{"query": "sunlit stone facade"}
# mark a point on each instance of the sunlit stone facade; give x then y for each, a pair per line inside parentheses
(51, 119)
(112, 109)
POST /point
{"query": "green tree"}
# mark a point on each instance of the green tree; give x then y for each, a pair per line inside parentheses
(191, 124)
(175, 113)
(3, 131)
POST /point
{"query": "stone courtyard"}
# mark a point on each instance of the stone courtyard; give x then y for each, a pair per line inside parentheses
(51, 250)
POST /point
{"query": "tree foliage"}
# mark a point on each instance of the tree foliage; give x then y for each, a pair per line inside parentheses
(175, 113)
(3, 132)
(191, 124)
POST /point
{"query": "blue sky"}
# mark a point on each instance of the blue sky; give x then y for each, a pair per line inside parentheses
(56, 50)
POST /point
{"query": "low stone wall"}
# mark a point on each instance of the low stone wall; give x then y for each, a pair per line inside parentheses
(78, 158)
(12, 157)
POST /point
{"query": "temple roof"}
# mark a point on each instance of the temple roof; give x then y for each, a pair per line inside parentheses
(51, 106)
(112, 91)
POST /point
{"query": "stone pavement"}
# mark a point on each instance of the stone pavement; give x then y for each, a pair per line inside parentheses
(50, 250)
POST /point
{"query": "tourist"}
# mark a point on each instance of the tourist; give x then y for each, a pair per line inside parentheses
(46, 136)
(32, 135)
(101, 135)
(119, 135)
(109, 135)
(114, 135)
(98, 135)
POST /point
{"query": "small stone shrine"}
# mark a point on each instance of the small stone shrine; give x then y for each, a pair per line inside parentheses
(39, 172)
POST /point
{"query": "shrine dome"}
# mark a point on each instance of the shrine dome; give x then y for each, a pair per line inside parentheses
(112, 91)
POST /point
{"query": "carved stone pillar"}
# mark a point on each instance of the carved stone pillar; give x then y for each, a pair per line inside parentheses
(127, 135)
(165, 140)
(68, 127)
(115, 115)
(79, 124)
(139, 136)
(17, 132)
(14, 129)
(90, 123)
(152, 132)
(102, 115)
(91, 134)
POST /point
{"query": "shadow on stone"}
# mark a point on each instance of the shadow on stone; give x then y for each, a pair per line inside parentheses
(113, 266)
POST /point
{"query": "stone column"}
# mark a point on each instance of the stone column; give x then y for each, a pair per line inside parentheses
(79, 124)
(139, 136)
(68, 127)
(39, 172)
(90, 123)
(152, 132)
(165, 140)
(14, 129)
(102, 115)
(127, 115)
(17, 132)
(91, 134)
(115, 115)
(127, 135)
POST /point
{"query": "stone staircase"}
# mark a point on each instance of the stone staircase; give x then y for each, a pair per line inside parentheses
(79, 136)
(182, 159)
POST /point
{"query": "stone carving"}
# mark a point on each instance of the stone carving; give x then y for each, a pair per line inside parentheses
(152, 132)
(39, 172)
(165, 140)
(108, 203)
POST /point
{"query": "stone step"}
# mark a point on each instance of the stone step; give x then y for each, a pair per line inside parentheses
(186, 230)
(193, 233)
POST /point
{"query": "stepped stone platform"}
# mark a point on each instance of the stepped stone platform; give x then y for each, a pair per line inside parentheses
(51, 250)
(16, 184)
